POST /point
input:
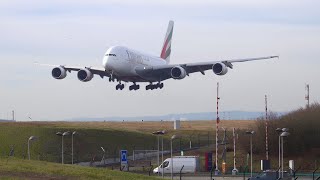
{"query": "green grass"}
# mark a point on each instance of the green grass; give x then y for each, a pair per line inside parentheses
(87, 143)
(23, 169)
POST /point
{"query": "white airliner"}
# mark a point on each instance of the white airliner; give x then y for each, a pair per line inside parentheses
(127, 65)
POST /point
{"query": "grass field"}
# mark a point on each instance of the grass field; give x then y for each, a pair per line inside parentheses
(87, 143)
(113, 136)
(24, 169)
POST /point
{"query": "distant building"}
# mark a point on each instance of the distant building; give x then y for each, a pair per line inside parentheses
(176, 124)
(183, 119)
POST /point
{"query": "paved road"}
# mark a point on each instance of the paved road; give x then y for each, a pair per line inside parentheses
(220, 178)
(226, 178)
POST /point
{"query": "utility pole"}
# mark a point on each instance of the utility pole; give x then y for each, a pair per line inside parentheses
(266, 105)
(217, 130)
(307, 97)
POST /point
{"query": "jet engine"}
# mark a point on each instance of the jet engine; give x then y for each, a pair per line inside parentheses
(85, 75)
(59, 72)
(178, 72)
(220, 69)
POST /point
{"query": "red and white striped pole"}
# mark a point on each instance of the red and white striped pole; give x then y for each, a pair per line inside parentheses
(217, 129)
(267, 150)
(234, 148)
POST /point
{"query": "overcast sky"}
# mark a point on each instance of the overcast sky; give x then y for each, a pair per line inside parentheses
(78, 32)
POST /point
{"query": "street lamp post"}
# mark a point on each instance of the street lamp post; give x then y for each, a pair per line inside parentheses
(74, 132)
(103, 157)
(162, 155)
(172, 138)
(158, 152)
(250, 133)
(31, 138)
(279, 130)
(158, 133)
(283, 134)
(62, 135)
(235, 170)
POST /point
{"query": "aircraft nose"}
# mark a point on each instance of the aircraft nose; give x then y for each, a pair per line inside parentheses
(105, 62)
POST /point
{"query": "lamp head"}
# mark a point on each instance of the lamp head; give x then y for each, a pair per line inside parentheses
(59, 133)
(279, 130)
(284, 134)
(103, 149)
(173, 137)
(250, 132)
(159, 132)
(31, 138)
(67, 133)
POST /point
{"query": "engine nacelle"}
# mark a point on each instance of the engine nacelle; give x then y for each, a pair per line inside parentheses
(59, 72)
(178, 72)
(220, 69)
(85, 75)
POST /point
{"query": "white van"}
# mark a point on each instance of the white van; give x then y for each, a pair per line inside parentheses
(191, 165)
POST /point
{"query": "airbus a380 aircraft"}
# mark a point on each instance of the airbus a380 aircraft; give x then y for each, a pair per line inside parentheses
(127, 65)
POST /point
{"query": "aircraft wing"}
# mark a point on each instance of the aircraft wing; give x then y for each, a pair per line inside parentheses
(160, 73)
(94, 70)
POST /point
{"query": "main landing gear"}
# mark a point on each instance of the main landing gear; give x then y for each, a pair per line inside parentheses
(154, 86)
(111, 79)
(134, 87)
(119, 86)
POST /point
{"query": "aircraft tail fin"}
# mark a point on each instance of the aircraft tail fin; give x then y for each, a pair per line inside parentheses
(166, 48)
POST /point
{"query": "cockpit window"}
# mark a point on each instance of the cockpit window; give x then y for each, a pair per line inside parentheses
(111, 55)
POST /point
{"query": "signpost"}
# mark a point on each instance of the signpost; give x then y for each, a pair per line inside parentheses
(124, 159)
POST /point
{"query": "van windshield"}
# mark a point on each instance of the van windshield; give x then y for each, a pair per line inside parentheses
(164, 164)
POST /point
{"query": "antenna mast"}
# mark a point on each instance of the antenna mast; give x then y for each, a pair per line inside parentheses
(266, 119)
(217, 130)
